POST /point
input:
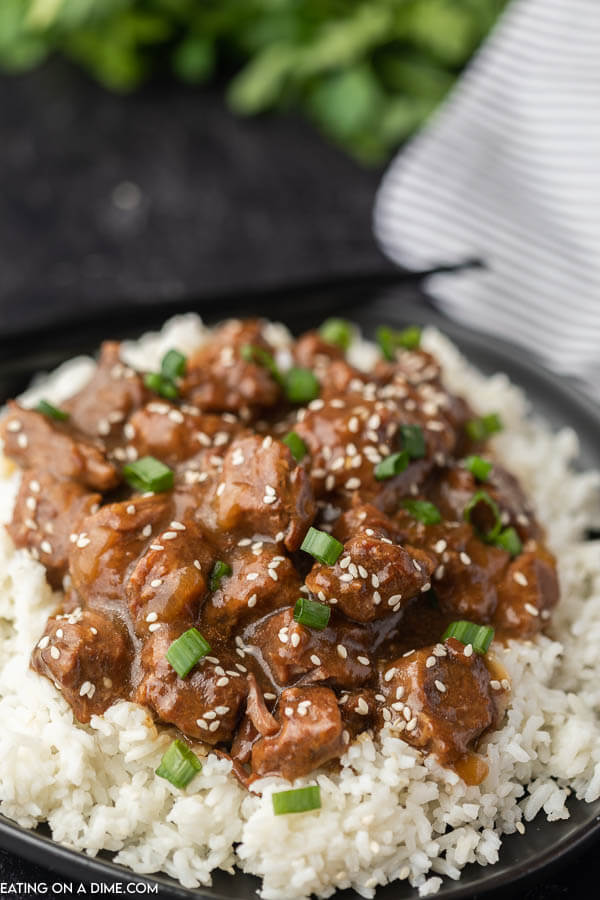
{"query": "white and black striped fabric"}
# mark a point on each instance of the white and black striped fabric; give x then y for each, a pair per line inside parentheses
(508, 172)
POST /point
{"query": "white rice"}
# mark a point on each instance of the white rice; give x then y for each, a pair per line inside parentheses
(389, 813)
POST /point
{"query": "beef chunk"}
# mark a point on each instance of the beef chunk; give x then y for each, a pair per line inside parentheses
(47, 512)
(340, 654)
(109, 544)
(206, 704)
(310, 735)
(171, 579)
(465, 581)
(527, 593)
(112, 394)
(87, 656)
(265, 490)
(38, 442)
(174, 435)
(371, 578)
(218, 378)
(261, 580)
(440, 699)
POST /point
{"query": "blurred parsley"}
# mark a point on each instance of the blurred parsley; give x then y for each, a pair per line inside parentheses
(368, 73)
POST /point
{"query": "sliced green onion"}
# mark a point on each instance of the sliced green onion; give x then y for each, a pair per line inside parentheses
(337, 332)
(297, 446)
(148, 474)
(325, 548)
(509, 540)
(220, 569)
(173, 364)
(53, 412)
(301, 385)
(423, 511)
(390, 340)
(184, 653)
(261, 357)
(161, 385)
(413, 440)
(482, 497)
(391, 465)
(482, 428)
(312, 614)
(297, 801)
(478, 636)
(478, 467)
(179, 765)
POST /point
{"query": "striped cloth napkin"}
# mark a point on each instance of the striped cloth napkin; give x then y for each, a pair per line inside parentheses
(508, 172)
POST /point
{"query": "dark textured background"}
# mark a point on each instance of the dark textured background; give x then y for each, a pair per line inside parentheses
(162, 196)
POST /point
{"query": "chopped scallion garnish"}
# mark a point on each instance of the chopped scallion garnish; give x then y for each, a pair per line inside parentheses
(481, 510)
(413, 440)
(390, 340)
(296, 801)
(161, 385)
(187, 650)
(325, 548)
(391, 465)
(301, 385)
(337, 332)
(478, 636)
(423, 511)
(478, 467)
(220, 569)
(482, 428)
(312, 614)
(179, 764)
(509, 540)
(297, 446)
(261, 357)
(53, 412)
(173, 364)
(148, 474)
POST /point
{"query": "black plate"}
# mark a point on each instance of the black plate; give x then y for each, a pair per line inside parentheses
(544, 844)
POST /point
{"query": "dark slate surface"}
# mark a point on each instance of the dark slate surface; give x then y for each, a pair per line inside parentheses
(165, 195)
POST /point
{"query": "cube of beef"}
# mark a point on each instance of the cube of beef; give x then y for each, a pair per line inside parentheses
(47, 512)
(87, 655)
(372, 578)
(36, 441)
(440, 698)
(206, 704)
(528, 593)
(265, 490)
(310, 735)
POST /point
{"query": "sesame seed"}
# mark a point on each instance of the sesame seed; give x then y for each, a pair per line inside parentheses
(374, 581)
(168, 536)
(252, 601)
(520, 579)
(531, 609)
(202, 724)
(34, 486)
(43, 642)
(156, 582)
(214, 725)
(341, 651)
(107, 682)
(440, 546)
(152, 617)
(465, 558)
(46, 547)
(412, 724)
(84, 688)
(344, 562)
(154, 627)
(430, 662)
(82, 541)
(315, 660)
(362, 707)
(23, 440)
(93, 630)
(363, 660)
(376, 598)
(54, 652)
(520, 827)
(14, 425)
(505, 684)
(352, 484)
(147, 530)
(177, 526)
(362, 572)
(295, 639)
(221, 682)
(468, 651)
(389, 674)
(252, 576)
(440, 686)
(495, 685)
(387, 716)
(156, 547)
(408, 653)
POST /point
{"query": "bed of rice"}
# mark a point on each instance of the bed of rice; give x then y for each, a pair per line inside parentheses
(389, 813)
